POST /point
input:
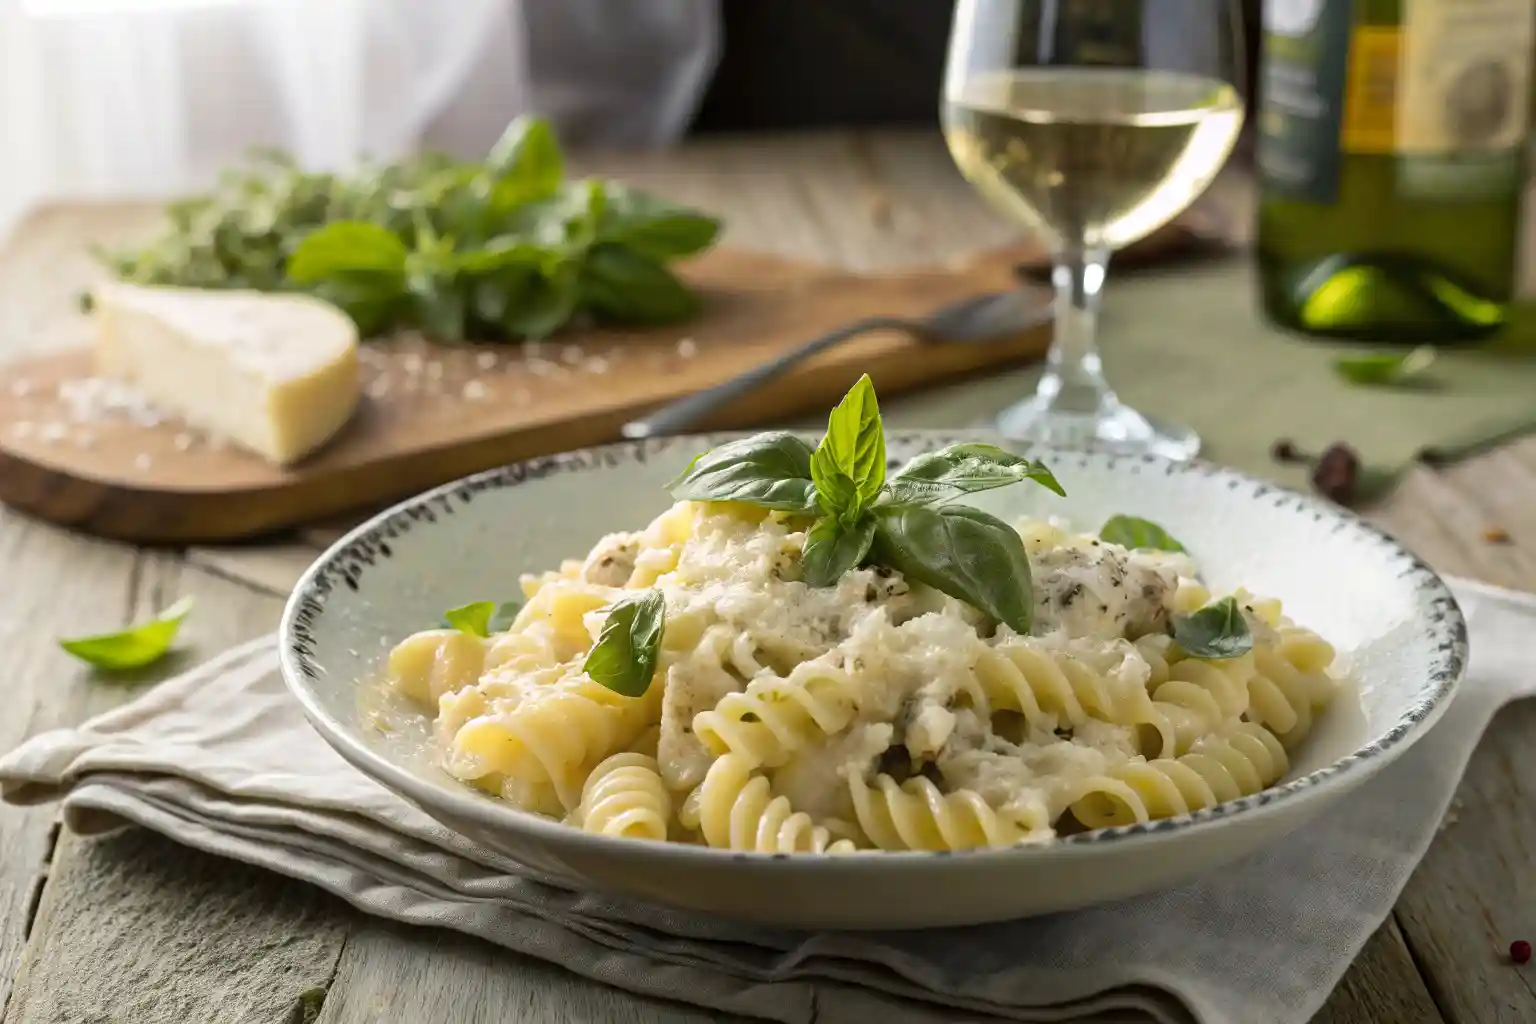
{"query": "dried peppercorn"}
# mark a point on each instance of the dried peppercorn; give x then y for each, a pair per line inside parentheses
(1337, 473)
(1285, 450)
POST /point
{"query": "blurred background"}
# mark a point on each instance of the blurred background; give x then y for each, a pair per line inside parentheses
(153, 97)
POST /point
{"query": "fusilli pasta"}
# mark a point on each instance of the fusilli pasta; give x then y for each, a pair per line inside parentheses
(874, 713)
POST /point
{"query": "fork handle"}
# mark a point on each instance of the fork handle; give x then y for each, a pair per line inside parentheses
(685, 412)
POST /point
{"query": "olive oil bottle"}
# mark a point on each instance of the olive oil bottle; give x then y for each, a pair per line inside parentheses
(1392, 163)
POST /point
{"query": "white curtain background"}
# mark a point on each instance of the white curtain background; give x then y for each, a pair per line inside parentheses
(150, 98)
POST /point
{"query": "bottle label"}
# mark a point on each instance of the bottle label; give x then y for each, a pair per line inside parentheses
(1306, 56)
(1446, 91)
(1464, 98)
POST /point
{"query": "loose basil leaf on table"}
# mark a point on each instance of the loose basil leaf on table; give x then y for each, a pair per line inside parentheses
(1131, 532)
(135, 647)
(963, 552)
(849, 464)
(832, 549)
(965, 469)
(1215, 632)
(1385, 368)
(624, 657)
(771, 470)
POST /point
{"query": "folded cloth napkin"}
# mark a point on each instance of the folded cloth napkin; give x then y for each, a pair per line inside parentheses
(222, 760)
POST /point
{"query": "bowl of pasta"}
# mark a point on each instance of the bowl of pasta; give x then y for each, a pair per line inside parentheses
(783, 678)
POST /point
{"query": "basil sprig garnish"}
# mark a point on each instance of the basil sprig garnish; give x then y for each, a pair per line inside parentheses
(848, 467)
(1131, 532)
(1215, 632)
(832, 549)
(770, 470)
(963, 552)
(863, 518)
(965, 469)
(624, 657)
(482, 618)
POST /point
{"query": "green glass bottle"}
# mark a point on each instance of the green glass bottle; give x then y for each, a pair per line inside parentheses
(1392, 138)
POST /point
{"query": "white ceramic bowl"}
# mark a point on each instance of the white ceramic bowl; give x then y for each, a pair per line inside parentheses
(1396, 622)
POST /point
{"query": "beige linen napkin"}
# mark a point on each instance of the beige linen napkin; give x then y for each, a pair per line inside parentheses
(222, 760)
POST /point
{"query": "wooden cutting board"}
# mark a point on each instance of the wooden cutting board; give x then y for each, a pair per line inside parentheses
(74, 452)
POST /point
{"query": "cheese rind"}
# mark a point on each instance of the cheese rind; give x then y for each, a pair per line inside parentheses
(275, 374)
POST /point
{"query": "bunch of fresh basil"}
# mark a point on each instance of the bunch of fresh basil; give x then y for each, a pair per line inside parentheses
(863, 517)
(500, 250)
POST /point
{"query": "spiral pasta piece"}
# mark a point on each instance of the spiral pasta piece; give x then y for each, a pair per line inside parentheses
(1291, 684)
(917, 815)
(1058, 690)
(426, 665)
(1192, 696)
(624, 796)
(777, 715)
(1240, 760)
(554, 735)
(735, 809)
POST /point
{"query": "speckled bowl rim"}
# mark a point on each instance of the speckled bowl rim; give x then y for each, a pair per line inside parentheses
(343, 564)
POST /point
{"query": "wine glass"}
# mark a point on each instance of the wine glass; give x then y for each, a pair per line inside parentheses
(1092, 123)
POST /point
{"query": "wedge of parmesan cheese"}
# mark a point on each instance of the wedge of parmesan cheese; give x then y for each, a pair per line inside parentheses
(275, 374)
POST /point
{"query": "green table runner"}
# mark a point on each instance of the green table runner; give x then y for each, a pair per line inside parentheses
(1189, 344)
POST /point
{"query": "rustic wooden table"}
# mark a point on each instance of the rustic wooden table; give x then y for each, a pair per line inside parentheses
(133, 928)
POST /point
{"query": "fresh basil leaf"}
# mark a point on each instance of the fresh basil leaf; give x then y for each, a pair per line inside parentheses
(849, 464)
(1385, 368)
(346, 246)
(543, 308)
(771, 470)
(624, 657)
(654, 227)
(961, 551)
(482, 618)
(502, 253)
(506, 613)
(474, 618)
(622, 285)
(525, 165)
(1131, 532)
(371, 299)
(965, 469)
(135, 647)
(1215, 632)
(832, 549)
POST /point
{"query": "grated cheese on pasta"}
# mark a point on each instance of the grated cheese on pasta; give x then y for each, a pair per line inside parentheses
(876, 712)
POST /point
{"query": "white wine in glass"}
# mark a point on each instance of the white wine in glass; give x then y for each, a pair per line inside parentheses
(1090, 158)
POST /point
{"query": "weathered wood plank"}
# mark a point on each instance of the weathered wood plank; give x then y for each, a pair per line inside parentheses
(392, 973)
(1382, 985)
(133, 928)
(1474, 891)
(55, 585)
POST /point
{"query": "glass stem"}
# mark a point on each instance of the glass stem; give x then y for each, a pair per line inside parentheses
(1074, 377)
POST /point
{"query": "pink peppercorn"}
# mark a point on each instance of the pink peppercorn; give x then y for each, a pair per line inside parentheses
(1520, 951)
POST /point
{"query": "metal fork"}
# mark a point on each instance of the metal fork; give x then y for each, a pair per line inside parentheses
(980, 320)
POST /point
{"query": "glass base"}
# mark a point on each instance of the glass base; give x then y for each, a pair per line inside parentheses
(1113, 428)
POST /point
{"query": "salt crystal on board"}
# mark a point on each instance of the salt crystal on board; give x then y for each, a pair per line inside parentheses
(687, 348)
(475, 391)
(486, 360)
(143, 460)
